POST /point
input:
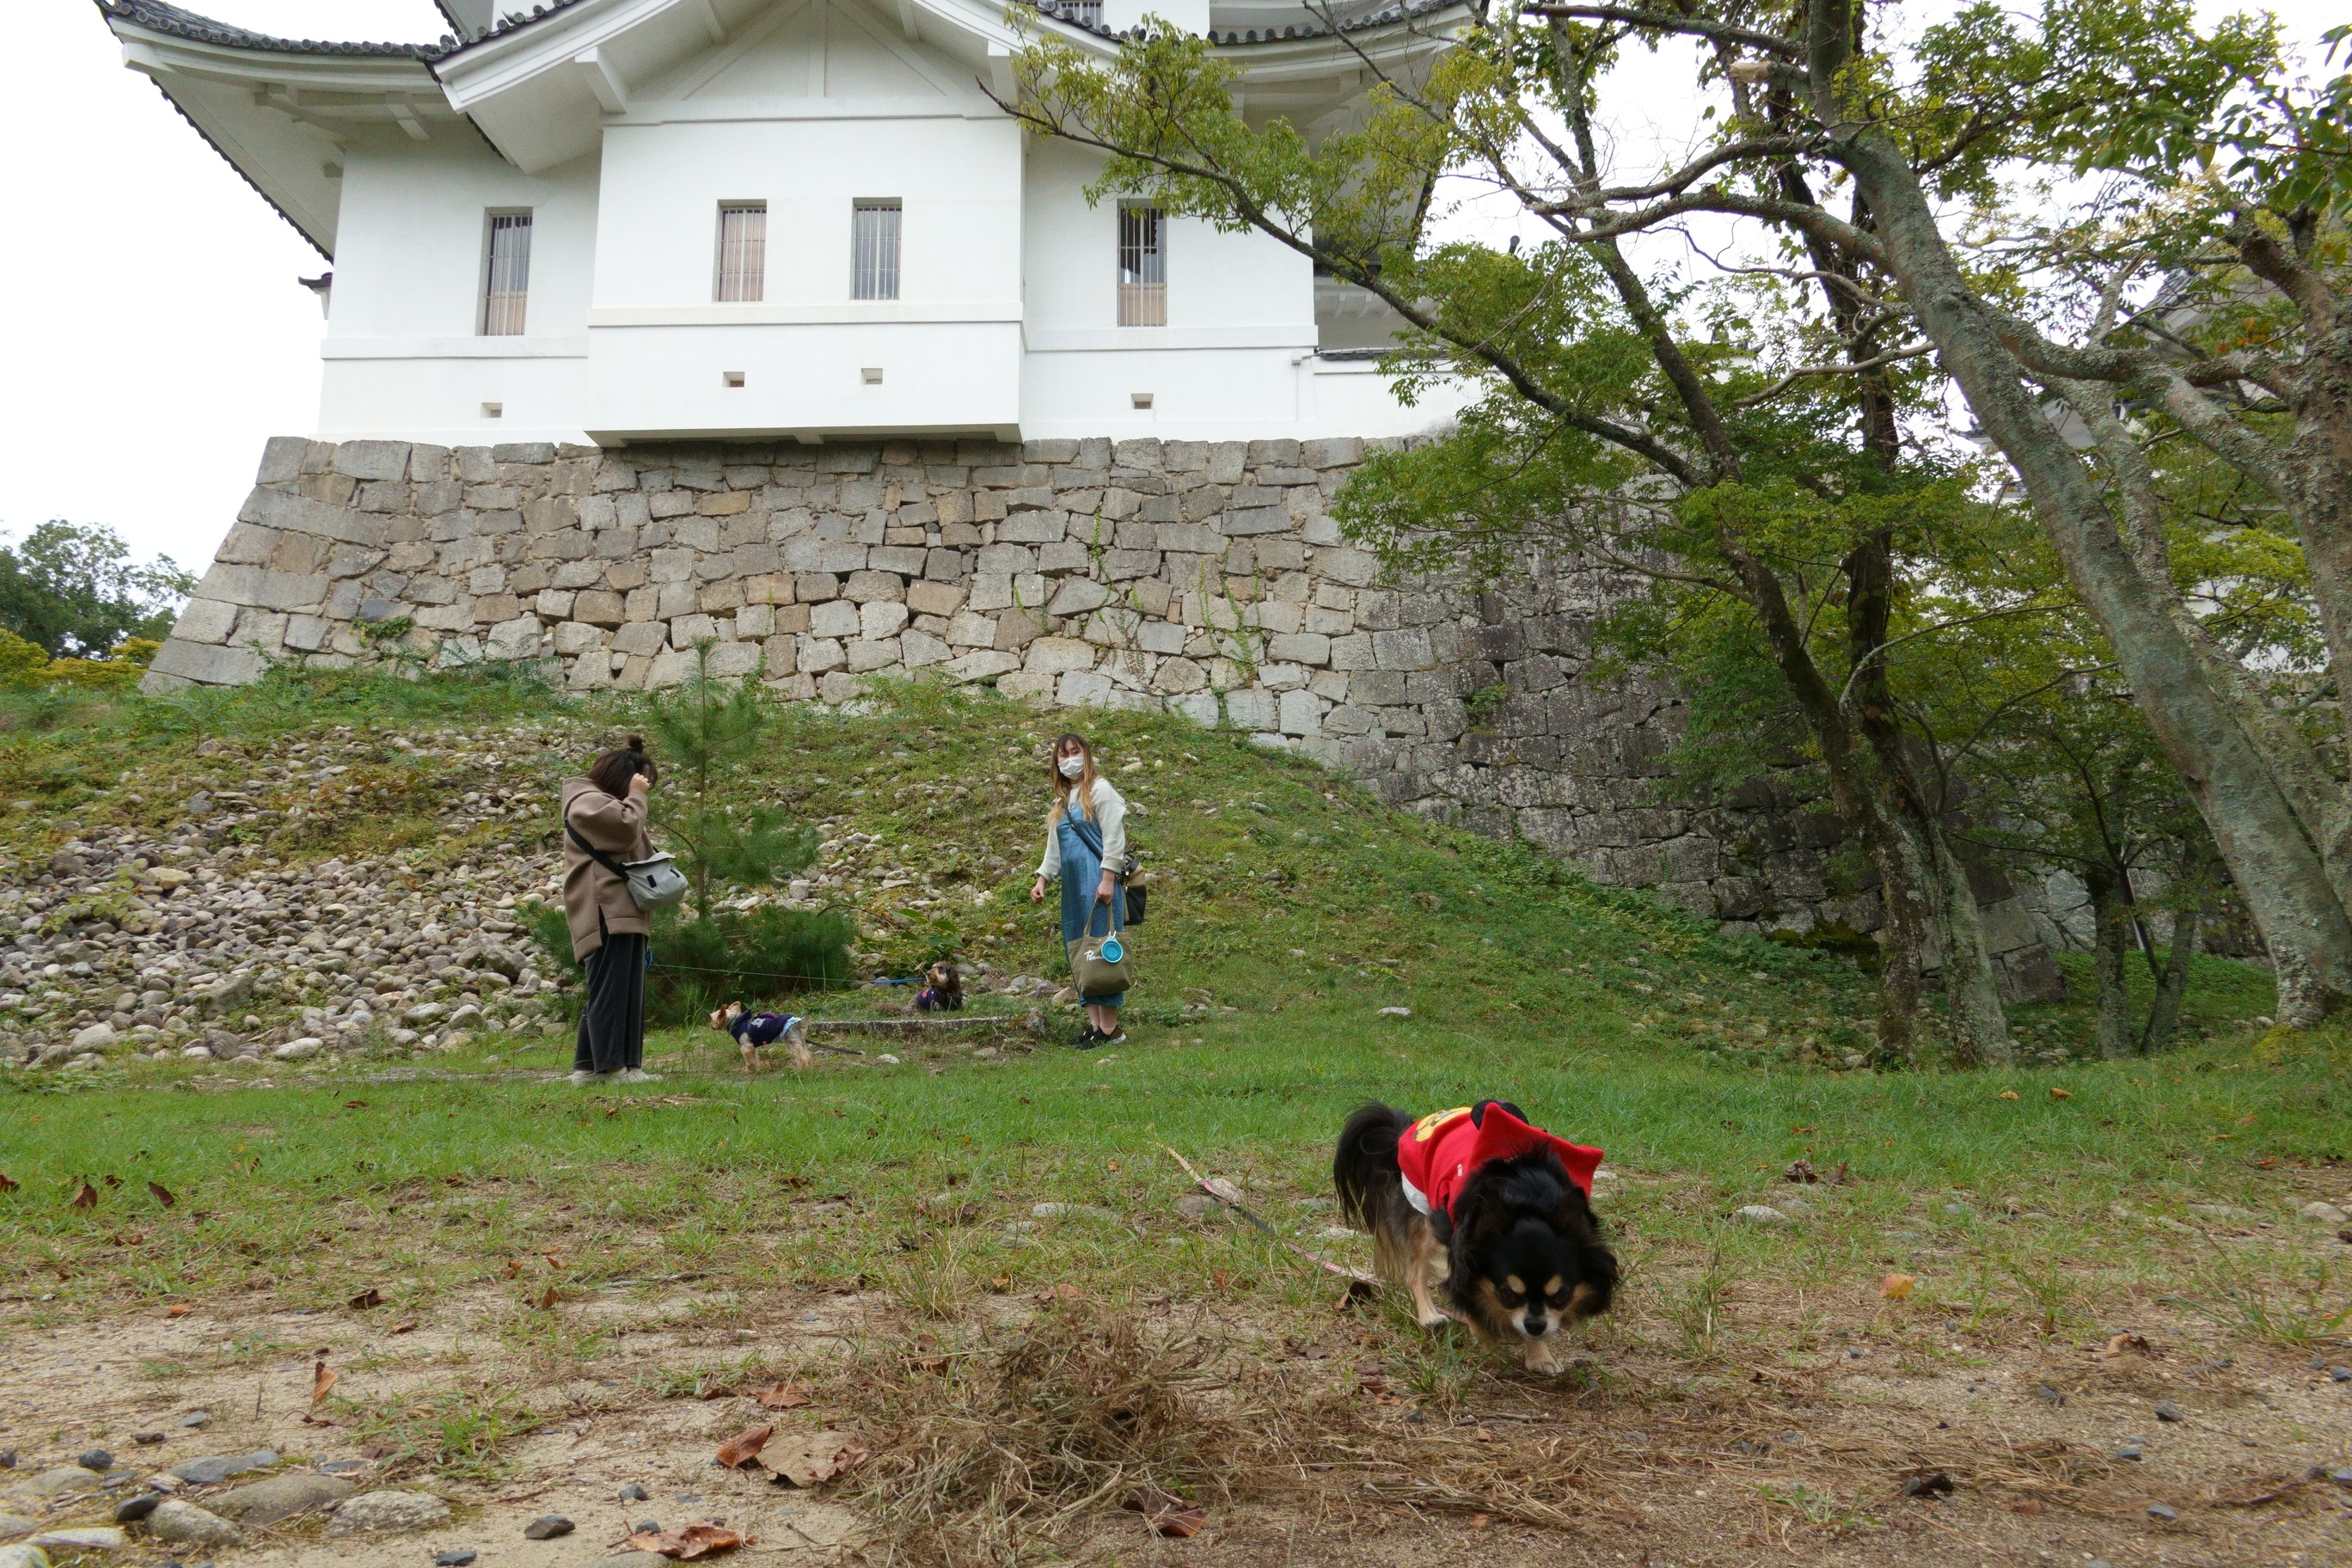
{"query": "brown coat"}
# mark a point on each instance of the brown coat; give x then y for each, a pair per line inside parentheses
(618, 829)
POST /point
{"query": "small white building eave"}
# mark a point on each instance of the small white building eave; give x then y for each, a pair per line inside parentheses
(285, 117)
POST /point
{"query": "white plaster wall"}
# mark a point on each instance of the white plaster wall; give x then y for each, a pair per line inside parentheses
(960, 234)
(1214, 281)
(404, 355)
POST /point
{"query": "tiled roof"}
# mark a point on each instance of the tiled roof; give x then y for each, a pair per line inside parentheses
(1387, 16)
(158, 18)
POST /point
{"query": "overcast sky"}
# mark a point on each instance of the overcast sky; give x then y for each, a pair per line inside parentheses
(157, 335)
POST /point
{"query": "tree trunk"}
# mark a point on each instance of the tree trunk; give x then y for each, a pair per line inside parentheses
(2110, 951)
(2276, 863)
(2172, 983)
(1979, 1027)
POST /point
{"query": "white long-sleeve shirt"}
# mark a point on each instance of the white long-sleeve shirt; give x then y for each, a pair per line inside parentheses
(1109, 814)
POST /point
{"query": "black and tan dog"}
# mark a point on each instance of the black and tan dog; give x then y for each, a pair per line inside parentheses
(1508, 1204)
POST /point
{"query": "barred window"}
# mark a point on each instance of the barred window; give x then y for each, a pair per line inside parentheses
(873, 249)
(507, 288)
(1143, 267)
(743, 251)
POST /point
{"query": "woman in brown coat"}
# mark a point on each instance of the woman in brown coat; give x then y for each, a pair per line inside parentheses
(609, 933)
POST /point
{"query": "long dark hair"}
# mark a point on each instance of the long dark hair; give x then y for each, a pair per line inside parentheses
(612, 771)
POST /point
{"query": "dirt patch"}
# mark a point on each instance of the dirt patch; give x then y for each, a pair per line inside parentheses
(1020, 1426)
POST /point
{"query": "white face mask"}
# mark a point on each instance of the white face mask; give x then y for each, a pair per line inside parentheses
(1072, 766)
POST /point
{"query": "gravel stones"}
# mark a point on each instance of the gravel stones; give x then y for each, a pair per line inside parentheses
(217, 1468)
(374, 1512)
(2324, 1213)
(456, 1557)
(1759, 1213)
(15, 1525)
(2167, 1411)
(96, 1459)
(179, 1522)
(83, 1538)
(633, 1493)
(22, 1557)
(55, 1481)
(281, 1497)
(131, 1509)
(546, 1527)
(2162, 1513)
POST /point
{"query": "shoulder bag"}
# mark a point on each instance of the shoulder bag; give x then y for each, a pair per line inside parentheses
(652, 882)
(1101, 965)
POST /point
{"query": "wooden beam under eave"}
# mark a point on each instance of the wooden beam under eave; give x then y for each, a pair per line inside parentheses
(597, 72)
(711, 22)
(906, 21)
(405, 115)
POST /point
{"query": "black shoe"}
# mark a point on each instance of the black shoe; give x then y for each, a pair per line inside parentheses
(1090, 1038)
(1118, 1040)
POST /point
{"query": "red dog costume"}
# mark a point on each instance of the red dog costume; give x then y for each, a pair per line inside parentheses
(1438, 1152)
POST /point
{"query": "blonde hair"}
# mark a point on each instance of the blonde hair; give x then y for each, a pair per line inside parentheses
(1083, 786)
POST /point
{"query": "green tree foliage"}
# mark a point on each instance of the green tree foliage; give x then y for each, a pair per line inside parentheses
(711, 737)
(72, 590)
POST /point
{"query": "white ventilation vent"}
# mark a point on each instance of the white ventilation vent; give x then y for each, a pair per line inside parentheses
(871, 375)
(494, 410)
(1140, 399)
(731, 377)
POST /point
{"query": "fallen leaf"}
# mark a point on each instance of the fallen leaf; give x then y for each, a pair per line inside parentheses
(1800, 1172)
(1481, 1520)
(2006, 1094)
(554, 1259)
(1800, 1132)
(8, 1184)
(1934, 1483)
(401, 1328)
(87, 1198)
(1895, 1287)
(1838, 1177)
(112, 1180)
(783, 1396)
(812, 1458)
(514, 1266)
(355, 1105)
(163, 1194)
(2127, 1343)
(743, 1448)
(932, 1363)
(370, 1297)
(2030, 1506)
(1165, 1515)
(1360, 1292)
(322, 1380)
(999, 1285)
(177, 1312)
(2057, 1093)
(1061, 1293)
(546, 1299)
(699, 1538)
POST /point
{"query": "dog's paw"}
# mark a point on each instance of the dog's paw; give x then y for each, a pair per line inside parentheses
(1433, 1320)
(1539, 1357)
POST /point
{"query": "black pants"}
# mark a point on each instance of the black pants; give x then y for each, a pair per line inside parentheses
(613, 1023)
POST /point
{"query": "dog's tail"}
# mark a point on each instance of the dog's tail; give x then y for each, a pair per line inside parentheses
(1364, 1166)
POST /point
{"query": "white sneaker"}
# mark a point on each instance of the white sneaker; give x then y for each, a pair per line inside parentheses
(581, 1075)
(639, 1075)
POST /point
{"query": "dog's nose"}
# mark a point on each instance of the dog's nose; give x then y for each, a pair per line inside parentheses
(1536, 1327)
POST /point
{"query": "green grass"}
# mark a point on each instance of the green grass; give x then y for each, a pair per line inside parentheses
(2046, 1201)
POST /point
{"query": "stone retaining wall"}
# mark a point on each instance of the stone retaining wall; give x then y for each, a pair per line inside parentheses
(1205, 578)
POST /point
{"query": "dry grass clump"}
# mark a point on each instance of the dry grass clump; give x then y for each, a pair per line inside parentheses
(985, 1457)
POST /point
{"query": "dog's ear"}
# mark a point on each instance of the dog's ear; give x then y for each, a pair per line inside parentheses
(1571, 1216)
(1481, 1216)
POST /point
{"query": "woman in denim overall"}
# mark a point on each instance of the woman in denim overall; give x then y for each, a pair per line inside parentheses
(1085, 843)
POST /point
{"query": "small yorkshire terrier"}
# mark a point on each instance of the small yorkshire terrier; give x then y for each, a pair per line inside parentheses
(942, 990)
(1507, 1204)
(751, 1031)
